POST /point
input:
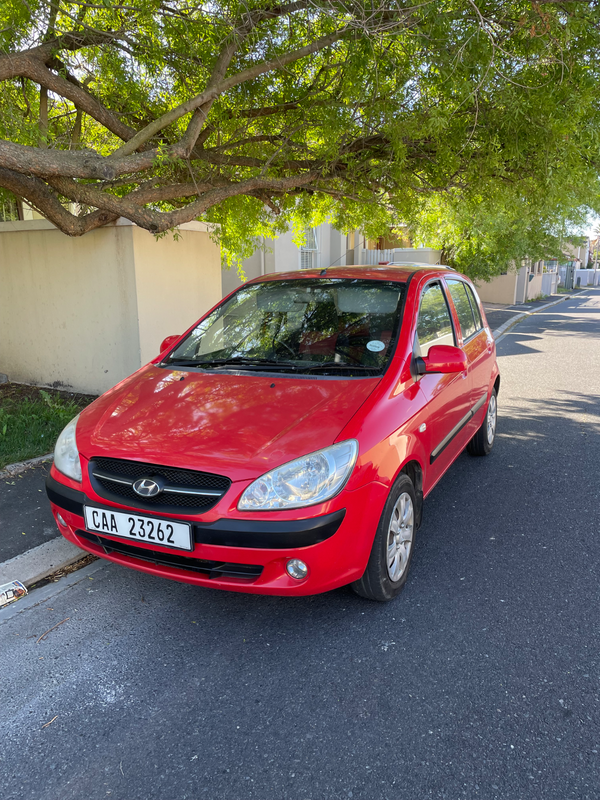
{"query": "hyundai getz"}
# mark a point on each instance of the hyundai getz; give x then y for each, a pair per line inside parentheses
(285, 443)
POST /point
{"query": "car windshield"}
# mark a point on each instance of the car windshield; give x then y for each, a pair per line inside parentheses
(326, 326)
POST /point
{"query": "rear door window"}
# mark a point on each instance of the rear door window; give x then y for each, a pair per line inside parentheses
(475, 307)
(434, 325)
(464, 311)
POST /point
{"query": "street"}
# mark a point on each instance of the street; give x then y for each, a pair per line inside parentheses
(480, 681)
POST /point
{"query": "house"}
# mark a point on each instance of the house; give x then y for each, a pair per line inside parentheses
(534, 279)
(324, 246)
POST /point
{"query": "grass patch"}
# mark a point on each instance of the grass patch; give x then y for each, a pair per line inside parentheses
(535, 299)
(31, 419)
(574, 290)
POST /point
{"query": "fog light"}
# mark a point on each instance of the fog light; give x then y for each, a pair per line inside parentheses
(296, 569)
(61, 521)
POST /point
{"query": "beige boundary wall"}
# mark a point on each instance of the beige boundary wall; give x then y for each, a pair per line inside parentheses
(502, 289)
(534, 287)
(85, 312)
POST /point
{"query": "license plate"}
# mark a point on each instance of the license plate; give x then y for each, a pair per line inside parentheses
(151, 530)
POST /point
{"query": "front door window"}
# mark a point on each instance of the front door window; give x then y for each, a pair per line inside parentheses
(434, 325)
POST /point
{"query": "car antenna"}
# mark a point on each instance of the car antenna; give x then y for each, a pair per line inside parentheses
(323, 271)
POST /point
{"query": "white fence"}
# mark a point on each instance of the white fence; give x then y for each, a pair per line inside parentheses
(549, 282)
(398, 255)
(374, 257)
(587, 277)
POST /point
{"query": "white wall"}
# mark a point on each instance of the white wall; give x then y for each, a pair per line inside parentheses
(420, 255)
(286, 254)
(534, 287)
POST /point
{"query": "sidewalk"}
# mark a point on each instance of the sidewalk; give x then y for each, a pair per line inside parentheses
(497, 313)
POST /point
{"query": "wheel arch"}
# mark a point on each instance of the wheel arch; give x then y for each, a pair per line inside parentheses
(497, 384)
(414, 471)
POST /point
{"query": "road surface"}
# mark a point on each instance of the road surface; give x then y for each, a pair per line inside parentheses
(480, 681)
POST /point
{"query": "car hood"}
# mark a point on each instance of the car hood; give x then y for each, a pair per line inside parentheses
(239, 425)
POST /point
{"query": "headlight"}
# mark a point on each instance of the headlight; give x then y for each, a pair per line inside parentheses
(304, 482)
(66, 454)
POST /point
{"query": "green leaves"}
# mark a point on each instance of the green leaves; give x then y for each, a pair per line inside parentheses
(474, 124)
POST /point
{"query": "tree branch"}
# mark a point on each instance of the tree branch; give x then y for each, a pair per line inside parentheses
(209, 95)
(36, 70)
(40, 197)
(83, 164)
(158, 221)
(252, 18)
(10, 63)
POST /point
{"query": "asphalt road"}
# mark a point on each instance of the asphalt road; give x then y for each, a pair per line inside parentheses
(25, 517)
(480, 681)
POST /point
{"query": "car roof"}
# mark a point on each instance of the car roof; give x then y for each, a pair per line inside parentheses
(399, 272)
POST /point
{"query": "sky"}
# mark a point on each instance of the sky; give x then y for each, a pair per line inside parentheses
(593, 225)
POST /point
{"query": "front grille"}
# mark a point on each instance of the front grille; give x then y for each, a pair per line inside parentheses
(210, 569)
(113, 478)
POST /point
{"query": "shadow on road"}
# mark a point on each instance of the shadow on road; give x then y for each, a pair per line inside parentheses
(565, 319)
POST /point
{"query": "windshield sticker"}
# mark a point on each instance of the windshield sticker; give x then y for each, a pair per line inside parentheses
(375, 346)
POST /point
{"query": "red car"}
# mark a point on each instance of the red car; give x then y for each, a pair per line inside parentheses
(285, 443)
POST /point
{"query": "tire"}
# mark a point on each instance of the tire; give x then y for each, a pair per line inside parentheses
(387, 568)
(483, 441)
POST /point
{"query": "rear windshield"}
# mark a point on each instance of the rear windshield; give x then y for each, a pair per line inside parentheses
(325, 326)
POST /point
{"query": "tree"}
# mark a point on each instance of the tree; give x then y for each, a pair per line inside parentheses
(474, 122)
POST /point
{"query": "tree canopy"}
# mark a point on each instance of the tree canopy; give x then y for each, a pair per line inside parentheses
(474, 123)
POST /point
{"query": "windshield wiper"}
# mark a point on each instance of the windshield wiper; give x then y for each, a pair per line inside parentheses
(339, 365)
(242, 361)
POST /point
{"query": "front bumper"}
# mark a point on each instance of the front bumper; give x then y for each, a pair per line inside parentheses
(245, 555)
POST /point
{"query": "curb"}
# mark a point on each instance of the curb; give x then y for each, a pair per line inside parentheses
(51, 590)
(41, 561)
(21, 466)
(519, 317)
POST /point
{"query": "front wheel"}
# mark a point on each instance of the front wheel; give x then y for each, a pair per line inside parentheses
(391, 554)
(483, 441)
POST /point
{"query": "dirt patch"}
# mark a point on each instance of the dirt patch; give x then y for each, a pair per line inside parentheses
(17, 392)
(64, 571)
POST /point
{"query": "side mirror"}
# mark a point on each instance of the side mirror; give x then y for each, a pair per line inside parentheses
(442, 358)
(169, 342)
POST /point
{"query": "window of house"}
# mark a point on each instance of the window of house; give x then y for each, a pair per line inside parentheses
(309, 251)
(434, 324)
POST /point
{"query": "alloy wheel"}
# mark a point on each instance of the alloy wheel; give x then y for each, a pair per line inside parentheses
(400, 536)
